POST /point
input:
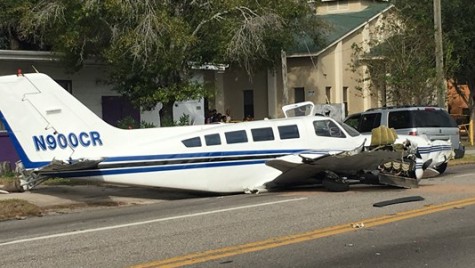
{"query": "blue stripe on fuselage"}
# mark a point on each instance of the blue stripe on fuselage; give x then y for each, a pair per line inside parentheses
(28, 164)
(120, 171)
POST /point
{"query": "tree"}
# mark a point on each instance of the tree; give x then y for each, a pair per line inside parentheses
(402, 64)
(10, 37)
(406, 57)
(459, 27)
(151, 45)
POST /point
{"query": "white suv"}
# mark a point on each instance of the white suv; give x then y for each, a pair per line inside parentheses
(434, 122)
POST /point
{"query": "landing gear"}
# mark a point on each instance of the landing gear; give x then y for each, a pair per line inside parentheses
(441, 168)
(334, 183)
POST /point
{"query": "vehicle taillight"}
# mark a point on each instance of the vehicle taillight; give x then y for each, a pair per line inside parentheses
(413, 133)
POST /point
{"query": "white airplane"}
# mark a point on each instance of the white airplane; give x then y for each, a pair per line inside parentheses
(55, 135)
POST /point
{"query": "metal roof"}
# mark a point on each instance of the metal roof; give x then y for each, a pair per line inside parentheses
(340, 26)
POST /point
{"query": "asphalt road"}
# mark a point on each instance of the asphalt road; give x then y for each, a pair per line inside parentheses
(295, 228)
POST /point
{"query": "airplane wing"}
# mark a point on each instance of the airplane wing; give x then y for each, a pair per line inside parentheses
(297, 168)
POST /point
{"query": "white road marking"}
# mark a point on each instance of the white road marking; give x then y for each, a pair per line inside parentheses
(147, 222)
(465, 175)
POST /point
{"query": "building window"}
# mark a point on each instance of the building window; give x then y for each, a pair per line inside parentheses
(2, 127)
(262, 134)
(288, 132)
(332, 6)
(336, 5)
(299, 93)
(328, 94)
(345, 99)
(343, 4)
(248, 103)
(66, 84)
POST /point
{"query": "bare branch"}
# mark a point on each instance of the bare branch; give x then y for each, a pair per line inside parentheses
(43, 15)
(248, 40)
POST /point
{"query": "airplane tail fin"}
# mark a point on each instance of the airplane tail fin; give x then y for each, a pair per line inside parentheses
(46, 122)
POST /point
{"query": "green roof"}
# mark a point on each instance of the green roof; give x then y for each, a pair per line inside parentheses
(340, 24)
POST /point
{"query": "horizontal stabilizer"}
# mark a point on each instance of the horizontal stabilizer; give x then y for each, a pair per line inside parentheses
(57, 165)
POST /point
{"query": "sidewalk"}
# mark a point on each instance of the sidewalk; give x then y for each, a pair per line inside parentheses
(55, 196)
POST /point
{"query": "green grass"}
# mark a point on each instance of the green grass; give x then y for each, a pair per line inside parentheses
(5, 180)
(467, 159)
(61, 181)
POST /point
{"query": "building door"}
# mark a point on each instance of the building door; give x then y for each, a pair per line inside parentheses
(248, 103)
(299, 93)
(117, 108)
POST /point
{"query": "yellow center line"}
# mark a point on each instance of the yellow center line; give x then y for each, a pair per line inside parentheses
(214, 254)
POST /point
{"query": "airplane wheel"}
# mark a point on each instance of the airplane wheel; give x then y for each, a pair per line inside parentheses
(333, 184)
(441, 168)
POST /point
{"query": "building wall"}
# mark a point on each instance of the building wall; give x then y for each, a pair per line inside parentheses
(88, 85)
(329, 70)
(302, 74)
(235, 82)
(356, 98)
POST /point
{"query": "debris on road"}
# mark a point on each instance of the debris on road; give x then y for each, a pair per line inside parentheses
(398, 201)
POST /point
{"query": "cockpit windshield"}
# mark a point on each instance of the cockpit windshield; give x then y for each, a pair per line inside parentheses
(350, 130)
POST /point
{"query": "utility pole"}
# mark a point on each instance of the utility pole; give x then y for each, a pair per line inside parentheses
(439, 56)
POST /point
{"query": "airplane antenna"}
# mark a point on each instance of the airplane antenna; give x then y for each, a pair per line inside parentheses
(36, 70)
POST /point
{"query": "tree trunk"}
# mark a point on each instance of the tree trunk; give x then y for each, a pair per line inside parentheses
(471, 87)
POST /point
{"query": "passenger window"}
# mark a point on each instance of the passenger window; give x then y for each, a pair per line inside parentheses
(328, 128)
(193, 142)
(236, 136)
(369, 121)
(288, 132)
(212, 139)
(262, 134)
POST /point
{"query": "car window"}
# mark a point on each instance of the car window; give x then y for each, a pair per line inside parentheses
(353, 120)
(400, 119)
(433, 118)
(368, 122)
(423, 118)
